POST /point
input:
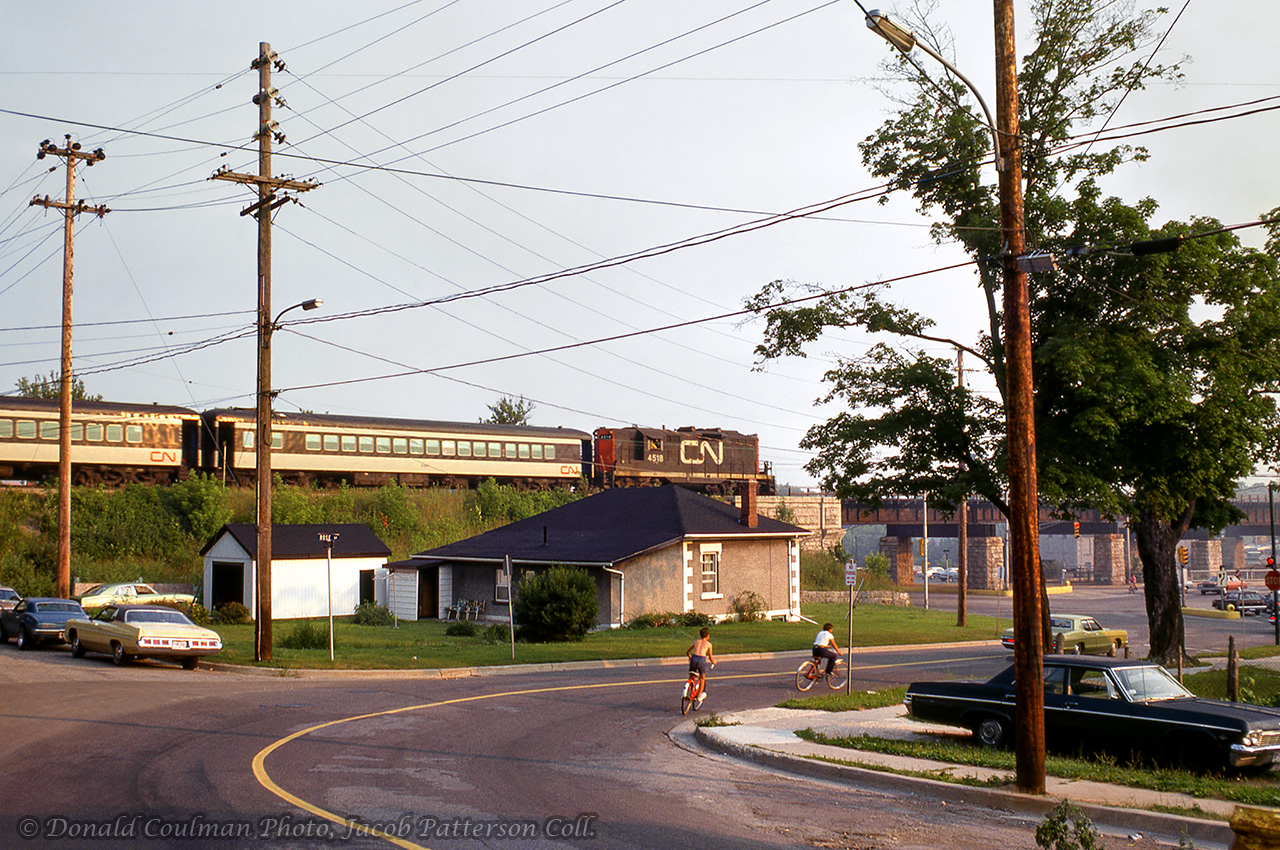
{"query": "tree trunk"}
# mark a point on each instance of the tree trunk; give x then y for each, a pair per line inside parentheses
(1157, 540)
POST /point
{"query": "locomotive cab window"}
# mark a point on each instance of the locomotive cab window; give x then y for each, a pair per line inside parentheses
(115, 434)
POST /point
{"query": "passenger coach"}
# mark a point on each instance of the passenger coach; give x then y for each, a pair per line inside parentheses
(111, 442)
(370, 451)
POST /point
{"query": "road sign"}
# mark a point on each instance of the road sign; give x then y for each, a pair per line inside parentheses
(851, 573)
(1273, 580)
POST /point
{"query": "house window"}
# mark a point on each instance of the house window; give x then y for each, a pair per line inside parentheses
(500, 587)
(710, 574)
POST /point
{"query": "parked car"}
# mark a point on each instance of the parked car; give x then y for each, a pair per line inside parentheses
(126, 632)
(1079, 634)
(1244, 601)
(1114, 704)
(129, 592)
(37, 619)
(9, 598)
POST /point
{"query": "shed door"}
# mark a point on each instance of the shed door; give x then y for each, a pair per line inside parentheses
(228, 583)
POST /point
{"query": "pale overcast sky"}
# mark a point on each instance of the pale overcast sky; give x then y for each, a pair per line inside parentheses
(652, 122)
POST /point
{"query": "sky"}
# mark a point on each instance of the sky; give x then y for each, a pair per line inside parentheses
(462, 145)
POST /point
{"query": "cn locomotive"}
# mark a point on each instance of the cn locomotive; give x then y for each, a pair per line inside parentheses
(116, 443)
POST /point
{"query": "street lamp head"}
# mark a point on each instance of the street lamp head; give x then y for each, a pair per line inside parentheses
(900, 38)
(312, 304)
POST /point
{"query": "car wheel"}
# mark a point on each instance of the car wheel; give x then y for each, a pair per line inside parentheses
(992, 732)
(118, 655)
(1078, 649)
(1115, 648)
(1196, 753)
(190, 663)
(77, 648)
(25, 640)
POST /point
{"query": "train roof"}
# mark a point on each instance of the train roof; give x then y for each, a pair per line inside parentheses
(337, 421)
(52, 405)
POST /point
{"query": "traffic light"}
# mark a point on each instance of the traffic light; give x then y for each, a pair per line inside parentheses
(1077, 528)
(1182, 555)
(1271, 563)
(921, 547)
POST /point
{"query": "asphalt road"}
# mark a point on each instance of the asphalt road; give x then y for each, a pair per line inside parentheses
(151, 755)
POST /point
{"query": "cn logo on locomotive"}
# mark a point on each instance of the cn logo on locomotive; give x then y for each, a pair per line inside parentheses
(696, 452)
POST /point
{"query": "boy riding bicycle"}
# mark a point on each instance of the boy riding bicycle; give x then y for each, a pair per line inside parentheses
(824, 646)
(700, 655)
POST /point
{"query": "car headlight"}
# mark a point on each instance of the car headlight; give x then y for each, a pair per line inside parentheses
(1251, 739)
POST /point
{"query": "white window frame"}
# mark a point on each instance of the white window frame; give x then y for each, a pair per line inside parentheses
(710, 555)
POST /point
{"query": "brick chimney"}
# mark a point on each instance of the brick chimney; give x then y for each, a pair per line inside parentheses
(747, 497)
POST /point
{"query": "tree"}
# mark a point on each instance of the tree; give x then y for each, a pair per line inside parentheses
(557, 605)
(510, 411)
(1150, 368)
(51, 387)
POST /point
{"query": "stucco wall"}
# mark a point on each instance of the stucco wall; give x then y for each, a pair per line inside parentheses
(759, 566)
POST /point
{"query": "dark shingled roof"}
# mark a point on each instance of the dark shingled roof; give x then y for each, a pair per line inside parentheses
(609, 527)
(355, 540)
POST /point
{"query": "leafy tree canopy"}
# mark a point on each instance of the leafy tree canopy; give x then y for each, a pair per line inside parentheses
(51, 387)
(510, 411)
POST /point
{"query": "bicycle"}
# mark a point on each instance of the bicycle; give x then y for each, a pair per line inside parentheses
(812, 670)
(692, 696)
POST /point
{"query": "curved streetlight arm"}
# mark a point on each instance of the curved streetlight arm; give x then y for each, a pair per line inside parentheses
(905, 40)
(309, 304)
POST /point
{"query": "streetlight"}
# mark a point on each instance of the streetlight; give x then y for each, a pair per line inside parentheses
(1019, 412)
(262, 623)
(329, 538)
(905, 40)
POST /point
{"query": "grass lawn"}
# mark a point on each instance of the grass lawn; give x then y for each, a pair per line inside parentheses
(424, 644)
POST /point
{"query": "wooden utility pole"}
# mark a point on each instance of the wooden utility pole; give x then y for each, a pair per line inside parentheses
(72, 153)
(267, 202)
(962, 521)
(1023, 501)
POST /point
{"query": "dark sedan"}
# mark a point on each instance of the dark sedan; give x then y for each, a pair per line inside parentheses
(1244, 601)
(1123, 706)
(36, 619)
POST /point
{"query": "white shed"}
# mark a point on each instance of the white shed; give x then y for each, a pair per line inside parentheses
(298, 568)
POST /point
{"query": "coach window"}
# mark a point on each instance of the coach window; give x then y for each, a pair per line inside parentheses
(26, 429)
(115, 434)
(524, 451)
(433, 447)
(246, 441)
(366, 444)
(277, 440)
(6, 428)
(384, 445)
(495, 450)
(448, 448)
(77, 430)
(464, 448)
(93, 432)
(478, 449)
(511, 451)
(415, 446)
(536, 451)
(549, 452)
(330, 442)
(400, 446)
(313, 442)
(48, 430)
(133, 433)
(348, 443)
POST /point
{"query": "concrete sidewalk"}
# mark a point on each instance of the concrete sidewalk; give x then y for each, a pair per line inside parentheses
(767, 737)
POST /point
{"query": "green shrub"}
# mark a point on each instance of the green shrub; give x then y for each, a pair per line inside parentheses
(748, 606)
(496, 633)
(696, 619)
(199, 614)
(653, 621)
(556, 605)
(231, 614)
(1067, 828)
(373, 614)
(462, 628)
(307, 634)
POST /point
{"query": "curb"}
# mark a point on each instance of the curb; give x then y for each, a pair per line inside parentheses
(1119, 820)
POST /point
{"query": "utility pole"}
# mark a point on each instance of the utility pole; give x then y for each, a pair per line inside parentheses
(962, 521)
(267, 202)
(72, 153)
(1023, 502)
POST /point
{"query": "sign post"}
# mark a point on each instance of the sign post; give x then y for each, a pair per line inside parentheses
(850, 579)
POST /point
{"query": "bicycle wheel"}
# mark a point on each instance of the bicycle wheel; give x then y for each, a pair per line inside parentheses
(688, 695)
(838, 676)
(806, 675)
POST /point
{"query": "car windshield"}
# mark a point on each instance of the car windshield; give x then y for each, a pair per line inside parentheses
(53, 607)
(93, 591)
(156, 617)
(1143, 684)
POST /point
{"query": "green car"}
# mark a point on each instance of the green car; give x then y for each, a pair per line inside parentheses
(1080, 635)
